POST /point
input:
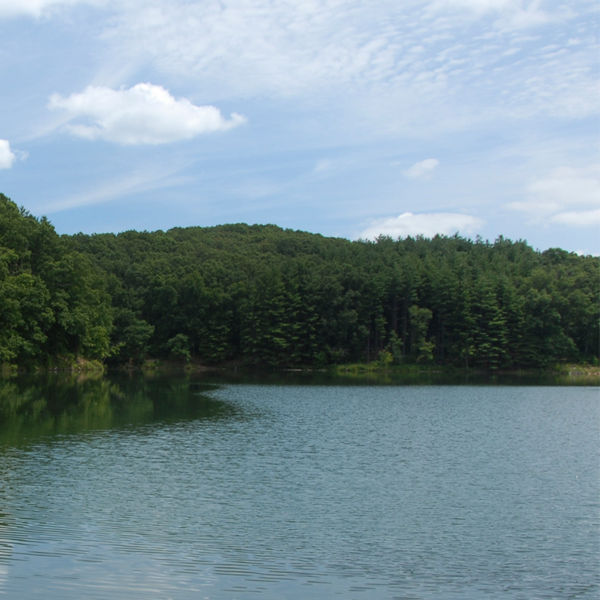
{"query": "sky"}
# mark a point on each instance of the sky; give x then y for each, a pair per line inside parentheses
(348, 118)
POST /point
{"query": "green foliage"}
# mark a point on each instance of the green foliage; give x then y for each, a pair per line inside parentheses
(266, 296)
(136, 338)
(52, 298)
(422, 346)
(385, 358)
(179, 347)
(394, 348)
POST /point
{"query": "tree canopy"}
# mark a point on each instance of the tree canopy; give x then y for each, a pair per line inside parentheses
(53, 299)
(267, 296)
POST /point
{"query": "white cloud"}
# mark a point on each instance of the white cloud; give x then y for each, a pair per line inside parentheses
(567, 195)
(512, 14)
(583, 218)
(426, 224)
(36, 8)
(422, 168)
(7, 156)
(568, 185)
(409, 66)
(478, 6)
(142, 114)
(253, 47)
(333, 167)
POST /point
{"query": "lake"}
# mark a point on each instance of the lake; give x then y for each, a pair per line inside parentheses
(177, 488)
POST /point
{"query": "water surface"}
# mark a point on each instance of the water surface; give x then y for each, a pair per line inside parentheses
(131, 488)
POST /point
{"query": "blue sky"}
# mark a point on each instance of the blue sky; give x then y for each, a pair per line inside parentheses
(342, 117)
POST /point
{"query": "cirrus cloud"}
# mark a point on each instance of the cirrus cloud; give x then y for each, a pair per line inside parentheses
(36, 8)
(422, 168)
(7, 156)
(142, 114)
(425, 224)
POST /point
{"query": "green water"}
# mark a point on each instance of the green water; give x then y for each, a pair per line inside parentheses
(179, 488)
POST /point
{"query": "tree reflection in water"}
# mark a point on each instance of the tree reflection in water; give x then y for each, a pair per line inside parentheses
(32, 408)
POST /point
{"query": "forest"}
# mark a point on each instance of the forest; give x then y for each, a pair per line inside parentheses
(259, 295)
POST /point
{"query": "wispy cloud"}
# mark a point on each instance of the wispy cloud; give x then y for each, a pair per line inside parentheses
(425, 224)
(511, 14)
(422, 168)
(442, 62)
(485, 91)
(567, 195)
(37, 8)
(407, 66)
(142, 114)
(136, 182)
(7, 156)
(582, 218)
(325, 165)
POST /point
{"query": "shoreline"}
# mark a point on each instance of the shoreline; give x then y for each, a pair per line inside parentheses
(564, 374)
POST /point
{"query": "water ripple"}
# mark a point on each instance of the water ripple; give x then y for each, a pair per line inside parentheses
(329, 492)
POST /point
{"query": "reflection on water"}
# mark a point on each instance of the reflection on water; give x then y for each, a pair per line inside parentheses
(83, 476)
(359, 376)
(32, 408)
(164, 488)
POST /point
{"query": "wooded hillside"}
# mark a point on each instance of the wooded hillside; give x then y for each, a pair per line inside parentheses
(267, 296)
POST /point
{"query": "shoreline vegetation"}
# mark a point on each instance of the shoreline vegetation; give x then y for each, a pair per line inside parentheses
(563, 374)
(259, 297)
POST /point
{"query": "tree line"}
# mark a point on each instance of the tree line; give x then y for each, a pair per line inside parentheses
(262, 295)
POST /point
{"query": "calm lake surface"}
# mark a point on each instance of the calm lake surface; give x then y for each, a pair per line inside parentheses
(171, 488)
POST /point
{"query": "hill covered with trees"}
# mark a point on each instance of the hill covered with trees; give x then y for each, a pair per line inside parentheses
(53, 299)
(266, 296)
